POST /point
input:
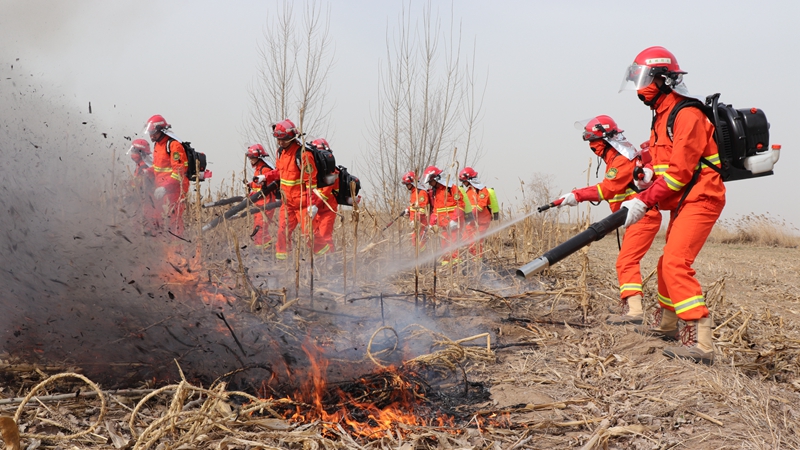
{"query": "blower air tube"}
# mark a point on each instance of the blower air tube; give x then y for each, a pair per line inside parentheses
(595, 232)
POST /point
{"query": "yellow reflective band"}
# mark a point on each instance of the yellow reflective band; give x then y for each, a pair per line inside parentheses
(660, 169)
(175, 176)
(280, 255)
(446, 209)
(286, 182)
(600, 192)
(162, 169)
(621, 197)
(630, 287)
(672, 183)
(324, 250)
(713, 159)
(689, 303)
(665, 301)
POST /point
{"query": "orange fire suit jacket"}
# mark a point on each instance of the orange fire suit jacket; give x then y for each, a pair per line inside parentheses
(294, 184)
(445, 202)
(674, 162)
(327, 196)
(170, 165)
(261, 169)
(617, 184)
(418, 206)
(480, 204)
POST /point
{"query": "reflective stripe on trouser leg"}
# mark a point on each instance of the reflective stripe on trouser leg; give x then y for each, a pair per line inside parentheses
(686, 235)
(635, 244)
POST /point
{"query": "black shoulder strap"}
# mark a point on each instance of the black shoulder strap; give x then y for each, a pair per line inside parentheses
(693, 102)
(169, 141)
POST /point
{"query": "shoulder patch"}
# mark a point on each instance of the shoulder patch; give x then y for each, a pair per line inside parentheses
(612, 173)
(176, 156)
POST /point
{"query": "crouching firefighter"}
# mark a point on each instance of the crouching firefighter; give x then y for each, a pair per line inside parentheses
(262, 219)
(688, 187)
(620, 157)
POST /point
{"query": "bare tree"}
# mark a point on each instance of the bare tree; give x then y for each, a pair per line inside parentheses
(295, 58)
(427, 105)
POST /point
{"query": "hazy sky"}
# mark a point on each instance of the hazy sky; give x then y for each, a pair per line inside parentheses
(546, 64)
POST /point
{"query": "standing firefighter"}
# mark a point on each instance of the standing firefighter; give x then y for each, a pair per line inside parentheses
(171, 184)
(143, 182)
(693, 193)
(607, 142)
(484, 208)
(261, 220)
(445, 201)
(298, 177)
(418, 209)
(328, 207)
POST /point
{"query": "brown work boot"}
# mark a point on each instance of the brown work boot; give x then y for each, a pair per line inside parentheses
(665, 325)
(634, 314)
(696, 343)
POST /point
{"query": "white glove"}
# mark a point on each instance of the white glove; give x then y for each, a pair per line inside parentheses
(259, 179)
(568, 199)
(312, 211)
(159, 193)
(645, 182)
(636, 210)
(453, 225)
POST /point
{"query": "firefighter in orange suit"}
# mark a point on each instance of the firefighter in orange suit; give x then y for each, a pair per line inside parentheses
(170, 165)
(143, 182)
(620, 157)
(418, 209)
(328, 207)
(687, 187)
(445, 211)
(261, 220)
(297, 182)
(479, 197)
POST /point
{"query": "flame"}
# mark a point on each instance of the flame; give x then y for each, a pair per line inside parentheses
(317, 400)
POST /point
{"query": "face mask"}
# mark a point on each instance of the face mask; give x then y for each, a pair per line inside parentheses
(649, 95)
(598, 146)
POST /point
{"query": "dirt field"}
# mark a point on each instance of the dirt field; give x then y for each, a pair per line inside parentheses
(558, 376)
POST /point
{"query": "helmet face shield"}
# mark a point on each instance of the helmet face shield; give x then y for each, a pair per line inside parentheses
(636, 77)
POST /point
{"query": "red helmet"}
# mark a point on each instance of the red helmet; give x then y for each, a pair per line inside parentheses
(409, 178)
(467, 173)
(140, 147)
(321, 144)
(284, 129)
(155, 124)
(256, 151)
(648, 64)
(599, 127)
(431, 173)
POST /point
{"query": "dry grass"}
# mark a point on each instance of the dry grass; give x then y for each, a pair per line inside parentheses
(756, 229)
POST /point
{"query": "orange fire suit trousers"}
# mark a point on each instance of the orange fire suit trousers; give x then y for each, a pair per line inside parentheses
(289, 218)
(170, 208)
(678, 289)
(471, 235)
(635, 244)
(323, 231)
(261, 236)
